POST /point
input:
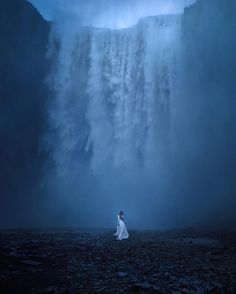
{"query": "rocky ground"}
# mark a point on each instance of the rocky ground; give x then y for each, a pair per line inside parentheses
(71, 261)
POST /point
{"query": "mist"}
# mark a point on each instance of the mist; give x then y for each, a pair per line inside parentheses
(107, 14)
(139, 116)
(135, 121)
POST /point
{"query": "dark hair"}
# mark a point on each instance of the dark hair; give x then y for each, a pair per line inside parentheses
(121, 214)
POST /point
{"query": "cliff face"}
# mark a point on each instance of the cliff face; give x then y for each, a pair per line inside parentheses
(23, 69)
(209, 34)
(209, 42)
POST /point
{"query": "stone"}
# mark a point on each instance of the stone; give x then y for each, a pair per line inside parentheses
(122, 274)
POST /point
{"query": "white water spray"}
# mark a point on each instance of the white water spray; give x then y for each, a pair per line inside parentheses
(114, 91)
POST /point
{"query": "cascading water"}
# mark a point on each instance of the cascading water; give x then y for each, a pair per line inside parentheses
(112, 117)
(114, 91)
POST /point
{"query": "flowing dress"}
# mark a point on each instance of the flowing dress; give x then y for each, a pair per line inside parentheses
(121, 231)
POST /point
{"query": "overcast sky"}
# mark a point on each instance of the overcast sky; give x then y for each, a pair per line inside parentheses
(108, 13)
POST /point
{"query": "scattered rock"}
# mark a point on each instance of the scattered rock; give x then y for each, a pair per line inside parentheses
(80, 262)
(31, 262)
(121, 274)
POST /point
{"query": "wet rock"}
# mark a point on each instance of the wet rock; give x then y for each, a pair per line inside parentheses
(54, 290)
(81, 262)
(50, 289)
(146, 286)
(31, 262)
(121, 274)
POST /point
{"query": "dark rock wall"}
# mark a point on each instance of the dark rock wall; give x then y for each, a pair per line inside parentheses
(23, 91)
(209, 101)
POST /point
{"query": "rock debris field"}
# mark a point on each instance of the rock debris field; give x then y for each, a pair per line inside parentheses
(75, 261)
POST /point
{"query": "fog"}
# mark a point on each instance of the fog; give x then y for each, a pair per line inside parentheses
(141, 114)
(133, 121)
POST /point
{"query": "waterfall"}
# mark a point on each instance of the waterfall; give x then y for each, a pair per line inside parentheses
(114, 91)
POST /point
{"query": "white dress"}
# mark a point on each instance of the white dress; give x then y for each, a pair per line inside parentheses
(121, 231)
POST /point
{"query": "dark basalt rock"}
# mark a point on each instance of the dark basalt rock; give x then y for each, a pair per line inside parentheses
(83, 262)
(122, 274)
(23, 98)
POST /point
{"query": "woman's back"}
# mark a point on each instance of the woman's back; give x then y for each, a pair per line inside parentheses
(121, 232)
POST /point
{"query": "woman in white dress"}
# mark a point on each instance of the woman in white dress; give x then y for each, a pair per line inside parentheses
(121, 231)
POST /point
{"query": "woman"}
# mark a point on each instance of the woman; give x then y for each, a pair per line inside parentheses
(121, 231)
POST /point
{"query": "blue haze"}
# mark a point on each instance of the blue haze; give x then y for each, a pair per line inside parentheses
(138, 113)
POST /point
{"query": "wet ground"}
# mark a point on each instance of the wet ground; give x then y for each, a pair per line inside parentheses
(73, 261)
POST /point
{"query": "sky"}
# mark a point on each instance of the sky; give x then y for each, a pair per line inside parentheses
(108, 13)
